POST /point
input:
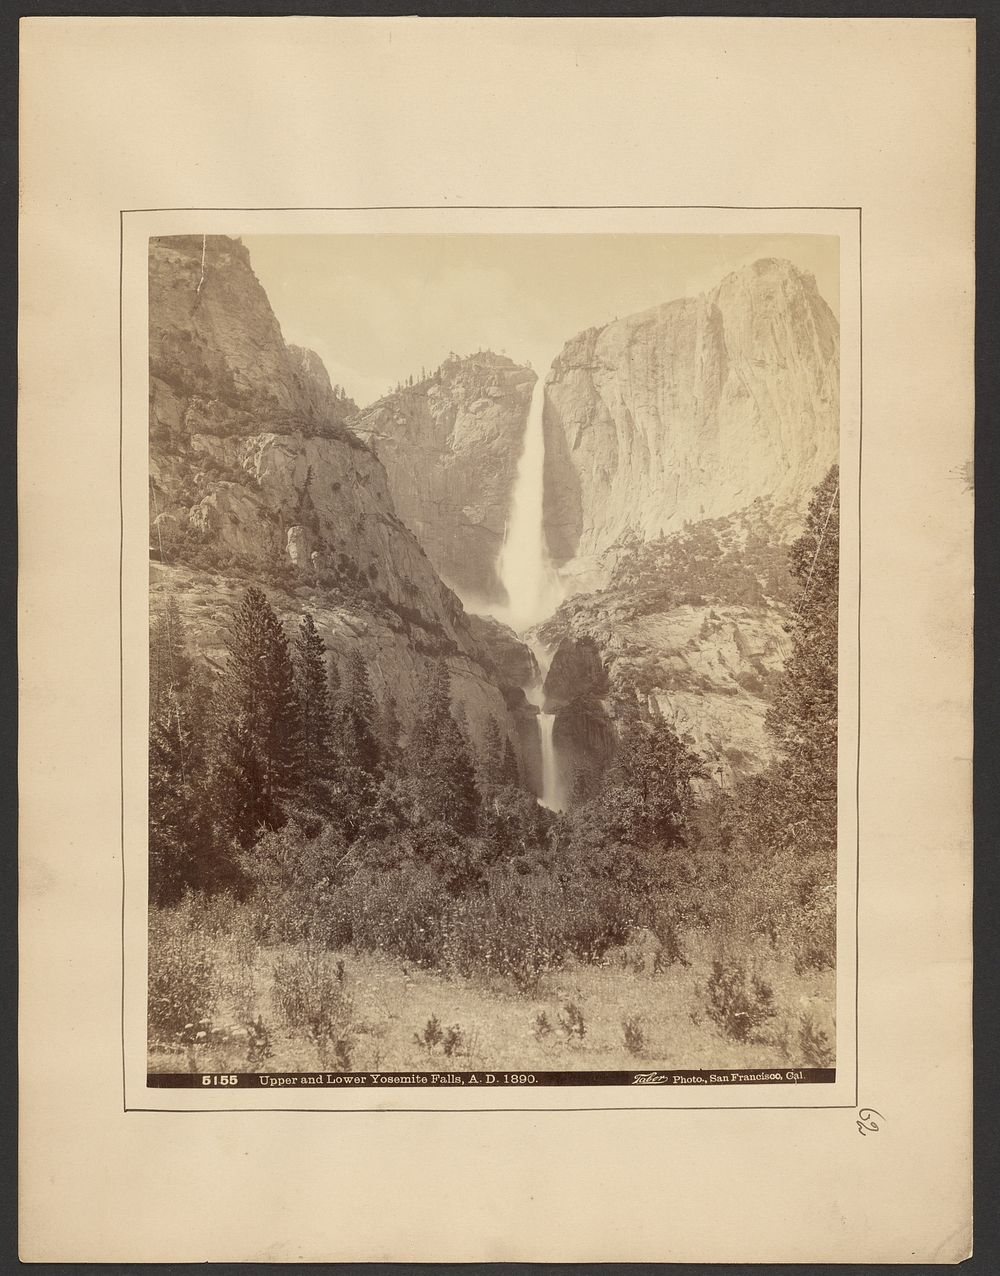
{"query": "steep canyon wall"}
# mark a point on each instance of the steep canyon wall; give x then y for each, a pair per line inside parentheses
(255, 478)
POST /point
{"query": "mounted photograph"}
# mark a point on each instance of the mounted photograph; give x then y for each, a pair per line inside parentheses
(494, 653)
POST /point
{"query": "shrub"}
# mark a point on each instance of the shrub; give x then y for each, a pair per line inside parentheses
(453, 1041)
(523, 917)
(258, 1044)
(182, 977)
(739, 1001)
(236, 929)
(397, 911)
(310, 996)
(814, 1043)
(295, 878)
(572, 1022)
(431, 1036)
(543, 1029)
(635, 1034)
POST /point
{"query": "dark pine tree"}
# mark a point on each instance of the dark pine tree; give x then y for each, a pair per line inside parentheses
(491, 760)
(179, 831)
(441, 758)
(315, 718)
(509, 772)
(389, 733)
(781, 827)
(359, 719)
(453, 769)
(169, 663)
(258, 748)
(433, 706)
(803, 716)
(646, 797)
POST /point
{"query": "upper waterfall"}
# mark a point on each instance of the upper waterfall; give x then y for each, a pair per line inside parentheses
(524, 567)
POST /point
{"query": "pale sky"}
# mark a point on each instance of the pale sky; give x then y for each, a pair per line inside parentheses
(377, 308)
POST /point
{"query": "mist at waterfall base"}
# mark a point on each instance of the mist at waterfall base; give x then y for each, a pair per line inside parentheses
(532, 586)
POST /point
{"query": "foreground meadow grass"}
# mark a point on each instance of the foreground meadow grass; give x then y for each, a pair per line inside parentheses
(224, 1001)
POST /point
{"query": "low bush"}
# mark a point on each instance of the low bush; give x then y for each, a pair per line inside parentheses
(786, 897)
(815, 1046)
(634, 1032)
(739, 1001)
(542, 1027)
(572, 1022)
(183, 979)
(294, 878)
(431, 1035)
(310, 996)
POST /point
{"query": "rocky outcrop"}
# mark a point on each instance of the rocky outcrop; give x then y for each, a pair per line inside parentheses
(502, 648)
(691, 410)
(706, 670)
(691, 629)
(214, 338)
(450, 446)
(254, 478)
(576, 671)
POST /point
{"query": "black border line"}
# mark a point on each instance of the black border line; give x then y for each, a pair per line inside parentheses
(831, 1107)
(121, 597)
(857, 768)
(464, 208)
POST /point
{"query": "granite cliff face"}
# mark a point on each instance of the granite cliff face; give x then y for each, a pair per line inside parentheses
(450, 446)
(255, 478)
(681, 447)
(688, 411)
(691, 628)
(213, 335)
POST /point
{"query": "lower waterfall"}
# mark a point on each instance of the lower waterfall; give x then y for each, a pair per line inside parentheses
(551, 794)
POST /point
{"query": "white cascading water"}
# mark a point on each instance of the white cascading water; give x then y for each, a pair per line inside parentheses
(551, 794)
(526, 572)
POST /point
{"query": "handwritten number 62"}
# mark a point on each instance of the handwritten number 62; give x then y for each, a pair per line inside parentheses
(867, 1123)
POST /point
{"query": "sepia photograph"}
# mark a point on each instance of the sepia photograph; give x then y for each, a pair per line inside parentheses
(495, 606)
(493, 658)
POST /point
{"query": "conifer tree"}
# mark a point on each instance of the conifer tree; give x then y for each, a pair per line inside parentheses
(491, 763)
(659, 769)
(258, 749)
(359, 719)
(169, 663)
(389, 732)
(179, 832)
(333, 684)
(433, 706)
(646, 797)
(315, 719)
(453, 773)
(782, 824)
(509, 773)
(498, 765)
(441, 757)
(803, 716)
